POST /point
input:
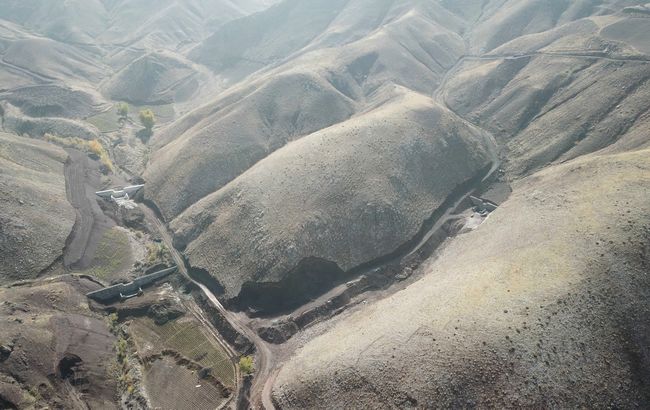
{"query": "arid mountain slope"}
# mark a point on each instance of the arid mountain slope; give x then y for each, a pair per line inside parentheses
(573, 105)
(54, 351)
(313, 91)
(142, 24)
(544, 304)
(350, 193)
(303, 151)
(35, 216)
(154, 78)
(339, 71)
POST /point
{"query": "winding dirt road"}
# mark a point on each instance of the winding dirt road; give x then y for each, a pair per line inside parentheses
(260, 393)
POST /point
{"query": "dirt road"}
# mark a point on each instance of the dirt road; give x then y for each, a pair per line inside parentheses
(82, 178)
(260, 393)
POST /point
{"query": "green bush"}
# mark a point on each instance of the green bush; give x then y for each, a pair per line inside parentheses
(113, 322)
(123, 110)
(121, 346)
(148, 119)
(246, 365)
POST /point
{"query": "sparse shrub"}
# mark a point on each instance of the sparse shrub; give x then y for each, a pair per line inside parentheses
(246, 365)
(123, 110)
(96, 147)
(112, 320)
(147, 119)
(153, 252)
(156, 252)
(121, 346)
(92, 147)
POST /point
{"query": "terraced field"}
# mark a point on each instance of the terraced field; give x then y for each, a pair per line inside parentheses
(189, 339)
(171, 386)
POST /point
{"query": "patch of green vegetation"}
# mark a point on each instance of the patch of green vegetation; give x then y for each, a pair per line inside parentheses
(163, 112)
(156, 252)
(108, 121)
(147, 119)
(121, 347)
(123, 110)
(125, 376)
(113, 255)
(246, 365)
(113, 322)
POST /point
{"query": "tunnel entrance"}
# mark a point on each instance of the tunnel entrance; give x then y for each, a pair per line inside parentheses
(68, 366)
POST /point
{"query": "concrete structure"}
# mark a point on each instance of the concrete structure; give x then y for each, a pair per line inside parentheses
(122, 197)
(127, 192)
(123, 291)
(483, 205)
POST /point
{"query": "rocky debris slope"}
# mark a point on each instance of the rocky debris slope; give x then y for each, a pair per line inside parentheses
(35, 216)
(542, 305)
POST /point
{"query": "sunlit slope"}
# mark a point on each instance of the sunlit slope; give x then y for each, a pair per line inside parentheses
(553, 102)
(543, 305)
(347, 194)
(318, 87)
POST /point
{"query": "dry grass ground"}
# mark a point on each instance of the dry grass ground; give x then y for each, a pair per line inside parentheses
(172, 386)
(542, 305)
(35, 217)
(113, 257)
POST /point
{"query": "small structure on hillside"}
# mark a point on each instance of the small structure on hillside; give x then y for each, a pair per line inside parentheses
(483, 205)
(122, 197)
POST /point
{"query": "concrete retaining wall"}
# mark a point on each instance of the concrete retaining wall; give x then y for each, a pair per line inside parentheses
(115, 292)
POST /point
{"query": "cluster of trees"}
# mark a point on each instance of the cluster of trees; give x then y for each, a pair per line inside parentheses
(147, 117)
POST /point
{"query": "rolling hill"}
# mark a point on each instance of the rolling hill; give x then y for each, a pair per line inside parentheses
(306, 146)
